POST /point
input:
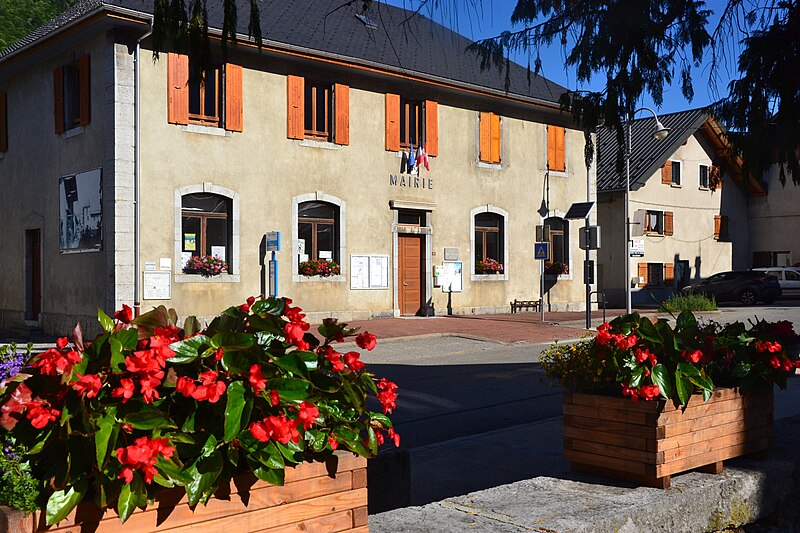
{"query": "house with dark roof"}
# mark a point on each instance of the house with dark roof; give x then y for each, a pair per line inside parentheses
(688, 207)
(141, 181)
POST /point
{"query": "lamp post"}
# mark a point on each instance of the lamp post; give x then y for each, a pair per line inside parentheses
(660, 133)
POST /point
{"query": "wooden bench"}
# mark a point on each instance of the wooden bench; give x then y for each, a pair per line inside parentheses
(516, 305)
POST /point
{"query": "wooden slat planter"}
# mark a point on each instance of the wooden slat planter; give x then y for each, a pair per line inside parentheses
(647, 442)
(311, 500)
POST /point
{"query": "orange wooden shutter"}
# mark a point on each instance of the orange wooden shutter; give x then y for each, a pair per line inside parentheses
(643, 273)
(177, 88)
(669, 274)
(495, 138)
(717, 226)
(234, 108)
(393, 122)
(341, 95)
(85, 89)
(485, 138)
(3, 122)
(431, 128)
(668, 230)
(58, 98)
(666, 173)
(715, 177)
(556, 148)
(295, 90)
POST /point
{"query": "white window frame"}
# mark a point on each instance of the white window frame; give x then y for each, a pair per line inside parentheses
(680, 172)
(319, 196)
(567, 242)
(700, 185)
(233, 262)
(488, 208)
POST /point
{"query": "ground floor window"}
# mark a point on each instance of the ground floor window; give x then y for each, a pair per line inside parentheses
(318, 231)
(559, 244)
(206, 226)
(489, 243)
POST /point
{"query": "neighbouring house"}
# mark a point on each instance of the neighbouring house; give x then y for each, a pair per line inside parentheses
(688, 208)
(118, 169)
(774, 221)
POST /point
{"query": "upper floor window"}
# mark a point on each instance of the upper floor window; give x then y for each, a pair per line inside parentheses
(704, 177)
(318, 110)
(489, 138)
(556, 149)
(212, 97)
(488, 243)
(658, 222)
(671, 173)
(204, 94)
(71, 94)
(318, 231)
(559, 240)
(412, 122)
(206, 226)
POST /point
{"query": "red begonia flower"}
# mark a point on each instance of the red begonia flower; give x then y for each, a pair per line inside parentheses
(366, 341)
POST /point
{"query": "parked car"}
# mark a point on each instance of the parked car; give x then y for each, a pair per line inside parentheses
(788, 278)
(745, 286)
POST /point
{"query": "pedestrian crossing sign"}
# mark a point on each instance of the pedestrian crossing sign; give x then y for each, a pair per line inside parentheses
(541, 250)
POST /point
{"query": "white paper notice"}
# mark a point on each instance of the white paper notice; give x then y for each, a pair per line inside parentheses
(325, 254)
(359, 272)
(185, 256)
(218, 251)
(378, 272)
(165, 263)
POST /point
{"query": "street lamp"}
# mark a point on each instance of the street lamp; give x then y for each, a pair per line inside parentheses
(659, 133)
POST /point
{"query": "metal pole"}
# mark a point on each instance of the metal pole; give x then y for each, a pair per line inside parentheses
(541, 288)
(586, 275)
(628, 220)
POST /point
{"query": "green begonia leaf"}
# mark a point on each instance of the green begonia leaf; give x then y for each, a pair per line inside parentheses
(107, 431)
(233, 410)
(106, 322)
(189, 349)
(62, 502)
(660, 377)
(131, 496)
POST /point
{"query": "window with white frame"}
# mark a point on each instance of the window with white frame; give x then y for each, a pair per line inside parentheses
(318, 231)
(559, 240)
(206, 225)
(489, 237)
(654, 222)
(704, 176)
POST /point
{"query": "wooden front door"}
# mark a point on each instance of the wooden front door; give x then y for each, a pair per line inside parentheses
(33, 274)
(411, 292)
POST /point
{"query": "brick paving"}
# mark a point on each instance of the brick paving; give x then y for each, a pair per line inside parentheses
(509, 328)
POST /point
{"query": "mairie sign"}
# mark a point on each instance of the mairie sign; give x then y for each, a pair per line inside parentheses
(541, 250)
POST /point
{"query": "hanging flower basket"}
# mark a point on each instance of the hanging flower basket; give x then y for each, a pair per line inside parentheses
(318, 267)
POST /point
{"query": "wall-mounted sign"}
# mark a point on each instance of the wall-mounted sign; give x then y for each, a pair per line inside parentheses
(157, 285)
(452, 279)
(80, 218)
(637, 247)
(150, 265)
(369, 271)
(451, 254)
(410, 182)
(164, 263)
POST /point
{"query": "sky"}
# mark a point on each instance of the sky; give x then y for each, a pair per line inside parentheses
(479, 19)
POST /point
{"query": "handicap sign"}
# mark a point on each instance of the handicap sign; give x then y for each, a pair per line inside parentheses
(541, 250)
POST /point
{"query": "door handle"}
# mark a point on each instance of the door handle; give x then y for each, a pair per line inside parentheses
(405, 284)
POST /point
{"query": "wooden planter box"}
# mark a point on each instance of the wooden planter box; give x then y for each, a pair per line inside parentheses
(311, 500)
(647, 442)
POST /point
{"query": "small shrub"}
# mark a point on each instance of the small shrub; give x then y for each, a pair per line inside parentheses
(18, 488)
(574, 366)
(677, 303)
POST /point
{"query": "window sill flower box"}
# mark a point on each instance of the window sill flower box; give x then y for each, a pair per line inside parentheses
(488, 266)
(315, 496)
(205, 265)
(648, 442)
(318, 267)
(556, 269)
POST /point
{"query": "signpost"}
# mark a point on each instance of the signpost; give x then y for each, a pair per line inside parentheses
(273, 245)
(541, 251)
(591, 241)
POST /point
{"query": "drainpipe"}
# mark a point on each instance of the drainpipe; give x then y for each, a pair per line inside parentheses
(137, 303)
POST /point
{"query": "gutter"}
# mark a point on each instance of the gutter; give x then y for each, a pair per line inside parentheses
(137, 172)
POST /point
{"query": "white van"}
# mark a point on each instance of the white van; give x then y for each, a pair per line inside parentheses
(788, 277)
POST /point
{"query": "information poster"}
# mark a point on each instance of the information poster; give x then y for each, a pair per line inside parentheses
(157, 285)
(452, 277)
(190, 241)
(369, 272)
(80, 217)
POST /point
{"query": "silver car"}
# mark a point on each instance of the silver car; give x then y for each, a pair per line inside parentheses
(788, 277)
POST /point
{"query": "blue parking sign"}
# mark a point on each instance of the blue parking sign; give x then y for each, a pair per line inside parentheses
(541, 250)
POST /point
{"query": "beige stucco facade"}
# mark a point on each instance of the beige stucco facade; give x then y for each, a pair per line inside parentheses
(265, 175)
(774, 221)
(692, 249)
